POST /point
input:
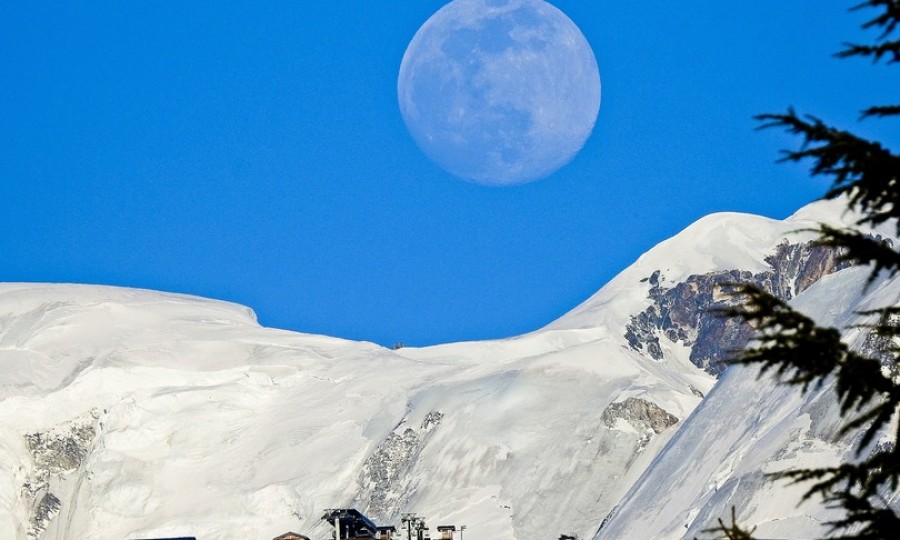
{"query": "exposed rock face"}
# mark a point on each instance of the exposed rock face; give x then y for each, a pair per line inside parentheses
(686, 312)
(882, 348)
(62, 449)
(383, 478)
(640, 413)
(55, 454)
(43, 512)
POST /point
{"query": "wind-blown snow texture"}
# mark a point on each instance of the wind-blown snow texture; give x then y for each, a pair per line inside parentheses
(133, 414)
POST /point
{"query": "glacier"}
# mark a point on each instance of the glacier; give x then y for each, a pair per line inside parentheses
(130, 413)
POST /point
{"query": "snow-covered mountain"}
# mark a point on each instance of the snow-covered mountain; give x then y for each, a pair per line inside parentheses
(137, 414)
(746, 428)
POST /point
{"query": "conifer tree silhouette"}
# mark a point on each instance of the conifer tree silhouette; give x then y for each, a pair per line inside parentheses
(800, 353)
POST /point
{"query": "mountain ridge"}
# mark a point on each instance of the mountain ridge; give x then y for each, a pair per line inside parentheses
(183, 415)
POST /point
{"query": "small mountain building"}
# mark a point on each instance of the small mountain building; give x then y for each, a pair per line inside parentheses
(291, 536)
(447, 531)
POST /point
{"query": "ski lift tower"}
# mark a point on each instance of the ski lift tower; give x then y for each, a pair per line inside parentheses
(415, 527)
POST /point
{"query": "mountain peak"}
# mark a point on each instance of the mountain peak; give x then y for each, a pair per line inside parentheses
(133, 413)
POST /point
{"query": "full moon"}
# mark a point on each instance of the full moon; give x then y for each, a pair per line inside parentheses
(499, 92)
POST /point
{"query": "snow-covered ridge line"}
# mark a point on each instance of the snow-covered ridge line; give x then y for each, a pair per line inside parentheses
(206, 424)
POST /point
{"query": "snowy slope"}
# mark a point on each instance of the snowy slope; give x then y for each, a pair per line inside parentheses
(721, 241)
(134, 414)
(750, 426)
(206, 424)
(744, 429)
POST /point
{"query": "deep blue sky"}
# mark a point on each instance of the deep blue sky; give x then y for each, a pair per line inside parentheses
(254, 152)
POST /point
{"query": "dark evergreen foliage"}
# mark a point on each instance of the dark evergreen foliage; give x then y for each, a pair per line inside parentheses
(801, 353)
(733, 531)
(887, 21)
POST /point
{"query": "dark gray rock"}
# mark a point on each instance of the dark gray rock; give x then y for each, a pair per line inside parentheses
(43, 513)
(687, 312)
(384, 479)
(882, 347)
(61, 451)
(56, 453)
(640, 413)
(431, 420)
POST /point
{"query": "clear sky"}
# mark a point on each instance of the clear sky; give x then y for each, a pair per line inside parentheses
(254, 152)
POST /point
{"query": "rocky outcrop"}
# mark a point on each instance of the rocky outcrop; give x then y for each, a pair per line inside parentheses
(43, 512)
(62, 449)
(643, 415)
(686, 312)
(55, 454)
(384, 480)
(646, 418)
(882, 346)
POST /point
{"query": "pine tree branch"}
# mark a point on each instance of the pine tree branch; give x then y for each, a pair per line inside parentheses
(871, 523)
(802, 353)
(782, 334)
(731, 532)
(874, 420)
(888, 21)
(881, 111)
(891, 49)
(863, 480)
(863, 170)
(861, 249)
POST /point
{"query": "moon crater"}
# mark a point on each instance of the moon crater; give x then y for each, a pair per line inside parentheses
(499, 92)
